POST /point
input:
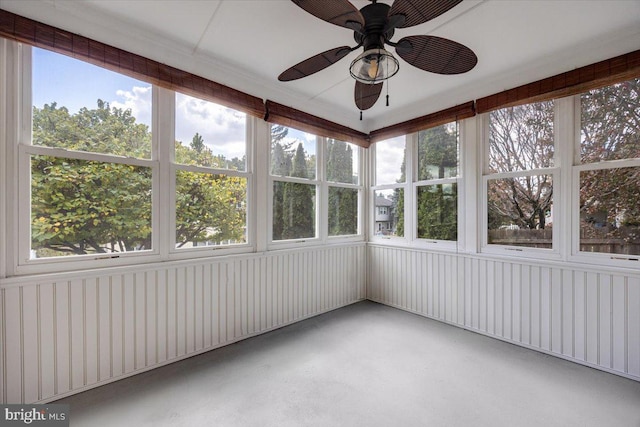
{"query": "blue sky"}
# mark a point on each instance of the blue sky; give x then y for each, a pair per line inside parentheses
(75, 84)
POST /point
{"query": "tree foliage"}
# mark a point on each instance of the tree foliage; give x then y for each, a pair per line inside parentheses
(437, 203)
(293, 202)
(298, 202)
(343, 202)
(82, 207)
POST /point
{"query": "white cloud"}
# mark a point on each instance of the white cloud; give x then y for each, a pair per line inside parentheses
(389, 156)
(138, 100)
(223, 129)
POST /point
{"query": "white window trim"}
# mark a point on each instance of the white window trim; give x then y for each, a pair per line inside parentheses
(403, 240)
(435, 244)
(321, 198)
(18, 147)
(556, 177)
(410, 186)
(574, 252)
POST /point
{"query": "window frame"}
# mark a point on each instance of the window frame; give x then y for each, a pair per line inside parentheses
(410, 187)
(405, 186)
(359, 187)
(322, 186)
(163, 171)
(173, 167)
(554, 171)
(576, 167)
(25, 150)
(448, 245)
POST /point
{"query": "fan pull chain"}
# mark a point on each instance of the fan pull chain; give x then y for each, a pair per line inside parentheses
(387, 85)
(360, 115)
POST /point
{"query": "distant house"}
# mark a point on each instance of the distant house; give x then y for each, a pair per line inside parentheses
(384, 215)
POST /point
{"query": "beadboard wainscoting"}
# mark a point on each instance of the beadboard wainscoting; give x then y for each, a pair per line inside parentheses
(64, 333)
(575, 312)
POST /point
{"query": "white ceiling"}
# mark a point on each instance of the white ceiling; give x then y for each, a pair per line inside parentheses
(246, 44)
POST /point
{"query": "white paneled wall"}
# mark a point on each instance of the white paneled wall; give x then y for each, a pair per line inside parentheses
(64, 333)
(587, 316)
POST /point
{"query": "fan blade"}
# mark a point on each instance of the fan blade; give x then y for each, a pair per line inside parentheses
(436, 55)
(366, 95)
(419, 11)
(338, 12)
(314, 64)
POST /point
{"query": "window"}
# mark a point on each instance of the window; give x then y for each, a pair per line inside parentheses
(93, 163)
(294, 184)
(210, 174)
(436, 186)
(316, 187)
(389, 189)
(342, 167)
(608, 169)
(89, 157)
(519, 175)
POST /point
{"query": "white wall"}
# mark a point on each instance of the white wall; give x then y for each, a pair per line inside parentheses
(586, 314)
(64, 333)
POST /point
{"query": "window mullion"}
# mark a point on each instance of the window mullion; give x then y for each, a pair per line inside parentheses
(163, 147)
(564, 137)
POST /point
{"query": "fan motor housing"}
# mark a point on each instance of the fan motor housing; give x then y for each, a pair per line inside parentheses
(375, 32)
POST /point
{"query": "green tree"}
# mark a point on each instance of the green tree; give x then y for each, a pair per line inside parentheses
(343, 202)
(280, 166)
(209, 208)
(437, 204)
(298, 202)
(78, 206)
(83, 207)
(398, 200)
(197, 143)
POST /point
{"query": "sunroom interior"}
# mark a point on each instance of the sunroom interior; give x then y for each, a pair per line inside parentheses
(164, 195)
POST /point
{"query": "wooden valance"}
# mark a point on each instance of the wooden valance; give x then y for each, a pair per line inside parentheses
(44, 36)
(287, 116)
(458, 112)
(580, 80)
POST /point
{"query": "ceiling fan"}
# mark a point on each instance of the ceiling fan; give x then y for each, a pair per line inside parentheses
(373, 26)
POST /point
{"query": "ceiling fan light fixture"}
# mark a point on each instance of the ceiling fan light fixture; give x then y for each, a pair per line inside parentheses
(374, 66)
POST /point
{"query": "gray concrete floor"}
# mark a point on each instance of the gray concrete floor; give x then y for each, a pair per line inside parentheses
(365, 365)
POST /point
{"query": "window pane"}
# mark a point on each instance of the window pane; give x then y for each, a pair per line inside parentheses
(390, 161)
(438, 152)
(88, 207)
(389, 212)
(438, 212)
(210, 209)
(293, 152)
(294, 210)
(82, 107)
(521, 138)
(609, 211)
(520, 211)
(342, 162)
(343, 211)
(610, 125)
(208, 134)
